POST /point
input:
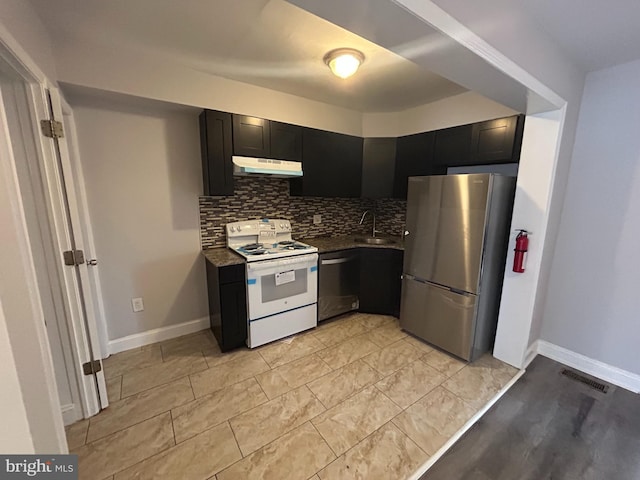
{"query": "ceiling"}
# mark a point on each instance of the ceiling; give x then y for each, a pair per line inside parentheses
(595, 34)
(274, 44)
(269, 43)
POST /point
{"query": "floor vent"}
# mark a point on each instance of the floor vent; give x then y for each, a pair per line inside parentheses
(601, 387)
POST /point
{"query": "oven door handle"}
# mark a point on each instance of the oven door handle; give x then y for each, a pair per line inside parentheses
(336, 261)
(291, 263)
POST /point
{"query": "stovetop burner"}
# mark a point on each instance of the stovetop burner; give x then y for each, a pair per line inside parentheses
(294, 246)
(265, 239)
(252, 247)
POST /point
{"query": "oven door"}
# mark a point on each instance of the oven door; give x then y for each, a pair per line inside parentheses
(276, 286)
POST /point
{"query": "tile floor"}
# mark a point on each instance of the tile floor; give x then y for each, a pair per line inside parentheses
(353, 398)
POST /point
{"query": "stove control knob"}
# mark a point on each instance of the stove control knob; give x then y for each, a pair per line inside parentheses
(233, 229)
(239, 227)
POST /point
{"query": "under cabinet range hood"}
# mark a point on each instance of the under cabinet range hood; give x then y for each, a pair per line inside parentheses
(244, 166)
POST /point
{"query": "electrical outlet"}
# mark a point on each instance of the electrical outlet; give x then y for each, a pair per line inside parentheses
(137, 304)
(317, 219)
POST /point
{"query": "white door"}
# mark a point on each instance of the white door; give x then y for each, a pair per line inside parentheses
(44, 252)
(67, 222)
(74, 174)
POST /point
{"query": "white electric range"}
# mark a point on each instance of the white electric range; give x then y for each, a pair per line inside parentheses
(282, 279)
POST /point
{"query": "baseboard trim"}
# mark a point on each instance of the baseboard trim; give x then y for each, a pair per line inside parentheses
(532, 353)
(472, 421)
(596, 368)
(70, 414)
(157, 335)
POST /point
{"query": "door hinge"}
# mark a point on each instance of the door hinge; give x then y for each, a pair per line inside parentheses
(52, 128)
(73, 257)
(92, 367)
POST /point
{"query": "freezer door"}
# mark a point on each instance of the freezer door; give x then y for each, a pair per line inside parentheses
(445, 225)
(438, 316)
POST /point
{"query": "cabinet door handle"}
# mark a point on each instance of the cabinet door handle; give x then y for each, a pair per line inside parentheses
(335, 261)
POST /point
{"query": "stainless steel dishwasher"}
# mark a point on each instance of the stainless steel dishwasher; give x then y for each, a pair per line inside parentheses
(338, 283)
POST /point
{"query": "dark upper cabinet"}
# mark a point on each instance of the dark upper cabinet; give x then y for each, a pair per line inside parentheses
(257, 137)
(286, 142)
(380, 282)
(378, 166)
(452, 146)
(227, 305)
(251, 136)
(414, 157)
(496, 141)
(332, 165)
(216, 148)
(337, 165)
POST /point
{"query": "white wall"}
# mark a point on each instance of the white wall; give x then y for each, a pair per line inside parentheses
(530, 212)
(147, 77)
(144, 75)
(19, 19)
(504, 26)
(468, 107)
(592, 307)
(143, 177)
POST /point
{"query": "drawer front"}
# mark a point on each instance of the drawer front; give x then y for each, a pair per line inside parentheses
(439, 316)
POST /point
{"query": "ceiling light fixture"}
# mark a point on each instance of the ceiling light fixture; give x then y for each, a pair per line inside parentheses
(344, 62)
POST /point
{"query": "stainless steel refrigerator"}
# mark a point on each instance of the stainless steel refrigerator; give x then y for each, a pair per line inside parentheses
(456, 243)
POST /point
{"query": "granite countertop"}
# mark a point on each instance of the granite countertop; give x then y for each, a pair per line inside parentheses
(345, 242)
(222, 256)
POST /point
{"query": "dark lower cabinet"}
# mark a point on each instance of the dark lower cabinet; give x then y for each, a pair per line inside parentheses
(380, 283)
(228, 305)
(216, 147)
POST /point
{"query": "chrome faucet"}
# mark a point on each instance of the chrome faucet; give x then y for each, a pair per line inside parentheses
(373, 230)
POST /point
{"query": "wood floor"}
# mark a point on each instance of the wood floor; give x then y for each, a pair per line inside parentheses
(550, 427)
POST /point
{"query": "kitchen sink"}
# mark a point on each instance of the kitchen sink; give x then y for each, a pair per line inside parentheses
(375, 240)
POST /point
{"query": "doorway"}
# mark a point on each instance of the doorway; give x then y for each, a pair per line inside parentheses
(44, 254)
(45, 204)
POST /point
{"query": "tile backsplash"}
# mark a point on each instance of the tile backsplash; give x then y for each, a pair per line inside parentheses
(260, 197)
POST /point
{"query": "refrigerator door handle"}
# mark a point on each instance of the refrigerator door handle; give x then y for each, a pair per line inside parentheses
(461, 292)
(426, 282)
(436, 285)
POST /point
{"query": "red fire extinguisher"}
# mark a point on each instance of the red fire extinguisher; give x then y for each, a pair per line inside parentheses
(522, 245)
